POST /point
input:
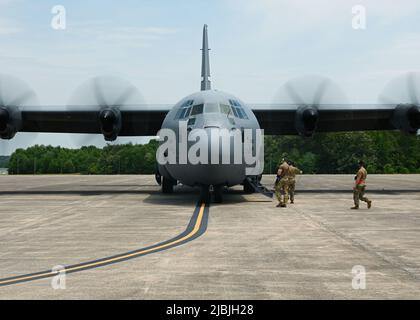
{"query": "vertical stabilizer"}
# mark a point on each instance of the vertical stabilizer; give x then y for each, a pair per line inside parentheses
(205, 62)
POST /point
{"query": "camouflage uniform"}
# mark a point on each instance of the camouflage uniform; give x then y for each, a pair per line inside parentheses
(293, 171)
(281, 186)
(360, 187)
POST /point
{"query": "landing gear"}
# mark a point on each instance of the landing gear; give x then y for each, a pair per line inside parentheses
(248, 188)
(158, 178)
(168, 185)
(205, 194)
(218, 194)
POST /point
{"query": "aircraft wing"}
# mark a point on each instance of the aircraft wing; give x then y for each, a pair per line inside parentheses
(136, 120)
(305, 120)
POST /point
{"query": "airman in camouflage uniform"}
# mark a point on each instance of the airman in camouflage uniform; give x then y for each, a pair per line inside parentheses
(360, 187)
(281, 185)
(293, 171)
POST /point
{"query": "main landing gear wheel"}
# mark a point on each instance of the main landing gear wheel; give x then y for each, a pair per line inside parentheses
(205, 194)
(168, 185)
(218, 194)
(158, 178)
(248, 188)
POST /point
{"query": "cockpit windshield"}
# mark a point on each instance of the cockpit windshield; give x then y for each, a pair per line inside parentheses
(225, 109)
(212, 108)
(233, 109)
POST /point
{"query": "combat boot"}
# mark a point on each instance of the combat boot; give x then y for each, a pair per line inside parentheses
(355, 208)
(369, 204)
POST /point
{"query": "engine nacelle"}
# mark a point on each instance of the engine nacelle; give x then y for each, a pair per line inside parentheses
(10, 122)
(110, 120)
(306, 120)
(406, 118)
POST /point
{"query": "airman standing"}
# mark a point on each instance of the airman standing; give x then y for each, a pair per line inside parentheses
(281, 185)
(293, 171)
(360, 187)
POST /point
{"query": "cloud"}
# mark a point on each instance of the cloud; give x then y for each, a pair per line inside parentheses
(397, 55)
(288, 17)
(292, 38)
(6, 2)
(9, 27)
(126, 36)
(137, 37)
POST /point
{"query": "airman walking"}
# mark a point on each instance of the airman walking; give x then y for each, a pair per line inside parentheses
(360, 187)
(293, 171)
(281, 184)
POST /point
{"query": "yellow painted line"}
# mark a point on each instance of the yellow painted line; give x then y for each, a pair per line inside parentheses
(186, 237)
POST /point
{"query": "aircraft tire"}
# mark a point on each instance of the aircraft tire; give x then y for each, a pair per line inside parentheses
(247, 187)
(167, 185)
(218, 194)
(205, 195)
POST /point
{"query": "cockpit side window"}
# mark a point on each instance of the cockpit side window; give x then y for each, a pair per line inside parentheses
(187, 103)
(191, 121)
(186, 112)
(237, 109)
(243, 114)
(178, 113)
(235, 112)
(197, 109)
(184, 109)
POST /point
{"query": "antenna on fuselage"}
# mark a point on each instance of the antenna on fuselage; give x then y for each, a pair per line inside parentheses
(205, 62)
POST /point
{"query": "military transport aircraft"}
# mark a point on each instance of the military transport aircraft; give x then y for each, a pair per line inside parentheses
(208, 109)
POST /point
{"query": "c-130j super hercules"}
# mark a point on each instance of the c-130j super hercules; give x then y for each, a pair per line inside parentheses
(209, 110)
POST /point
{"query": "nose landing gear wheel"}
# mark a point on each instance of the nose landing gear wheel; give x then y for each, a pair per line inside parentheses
(218, 194)
(168, 185)
(205, 194)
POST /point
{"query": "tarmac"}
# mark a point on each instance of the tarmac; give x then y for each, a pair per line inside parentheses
(119, 237)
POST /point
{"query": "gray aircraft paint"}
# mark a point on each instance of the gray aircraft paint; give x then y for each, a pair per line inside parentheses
(209, 174)
(205, 63)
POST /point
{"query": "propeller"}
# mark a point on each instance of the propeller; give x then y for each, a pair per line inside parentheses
(403, 93)
(404, 89)
(14, 93)
(107, 95)
(310, 93)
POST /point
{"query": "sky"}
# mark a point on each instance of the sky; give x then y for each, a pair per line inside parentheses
(256, 46)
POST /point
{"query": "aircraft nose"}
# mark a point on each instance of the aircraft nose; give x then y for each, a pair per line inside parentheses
(217, 166)
(220, 145)
(221, 169)
(215, 120)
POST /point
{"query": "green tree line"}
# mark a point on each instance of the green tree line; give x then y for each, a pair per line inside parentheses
(112, 159)
(332, 153)
(338, 153)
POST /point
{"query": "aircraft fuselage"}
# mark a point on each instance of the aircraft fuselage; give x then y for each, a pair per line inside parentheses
(218, 114)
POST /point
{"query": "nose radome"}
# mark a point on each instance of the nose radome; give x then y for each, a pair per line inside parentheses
(220, 145)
